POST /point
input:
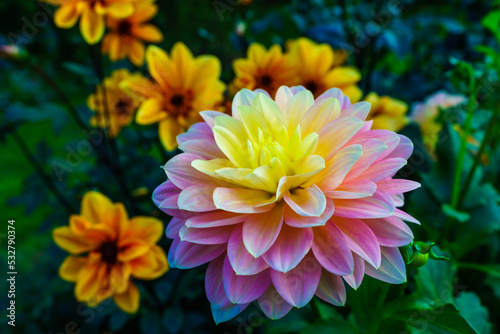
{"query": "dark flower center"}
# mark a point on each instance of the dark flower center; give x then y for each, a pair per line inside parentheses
(123, 106)
(312, 86)
(109, 252)
(177, 100)
(124, 28)
(265, 80)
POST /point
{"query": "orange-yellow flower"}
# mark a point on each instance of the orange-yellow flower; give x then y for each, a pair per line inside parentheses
(107, 250)
(267, 70)
(317, 70)
(387, 113)
(119, 109)
(182, 86)
(127, 35)
(91, 13)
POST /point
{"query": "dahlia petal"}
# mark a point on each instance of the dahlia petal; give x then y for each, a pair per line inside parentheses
(241, 260)
(332, 250)
(215, 219)
(321, 113)
(165, 191)
(226, 313)
(244, 289)
(355, 279)
(392, 269)
(209, 117)
(186, 255)
(398, 199)
(380, 205)
(197, 198)
(296, 107)
(403, 150)
(338, 166)
(92, 26)
(197, 131)
(298, 286)
(214, 287)
(359, 110)
(308, 202)
(397, 186)
(406, 217)
(273, 305)
(243, 98)
(353, 189)
(180, 172)
(204, 148)
(331, 289)
(241, 200)
(383, 169)
(128, 301)
(290, 248)
(361, 239)
(292, 218)
(372, 149)
(206, 236)
(336, 134)
(390, 231)
(336, 94)
(261, 230)
(283, 95)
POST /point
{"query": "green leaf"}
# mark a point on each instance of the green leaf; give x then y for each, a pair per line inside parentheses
(462, 217)
(470, 307)
(435, 282)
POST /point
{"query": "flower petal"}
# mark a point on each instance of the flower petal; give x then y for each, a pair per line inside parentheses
(129, 300)
(244, 289)
(261, 230)
(206, 236)
(241, 260)
(71, 242)
(197, 198)
(331, 289)
(392, 269)
(71, 266)
(186, 255)
(92, 26)
(380, 205)
(355, 279)
(272, 304)
(292, 218)
(390, 231)
(241, 200)
(308, 202)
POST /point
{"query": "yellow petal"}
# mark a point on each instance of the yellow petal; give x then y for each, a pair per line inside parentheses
(89, 281)
(115, 46)
(158, 63)
(92, 26)
(71, 242)
(148, 32)
(96, 207)
(150, 111)
(119, 10)
(342, 76)
(151, 265)
(144, 11)
(148, 229)
(136, 52)
(353, 92)
(66, 16)
(132, 248)
(119, 277)
(70, 268)
(168, 131)
(129, 300)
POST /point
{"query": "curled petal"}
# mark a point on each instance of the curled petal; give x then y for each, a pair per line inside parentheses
(331, 289)
(392, 269)
(308, 202)
(292, 218)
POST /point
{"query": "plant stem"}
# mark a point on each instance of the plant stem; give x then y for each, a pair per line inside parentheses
(41, 172)
(477, 158)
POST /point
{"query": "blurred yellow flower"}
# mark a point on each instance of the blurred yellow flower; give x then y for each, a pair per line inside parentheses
(127, 35)
(317, 70)
(91, 13)
(387, 113)
(107, 250)
(264, 69)
(183, 86)
(119, 109)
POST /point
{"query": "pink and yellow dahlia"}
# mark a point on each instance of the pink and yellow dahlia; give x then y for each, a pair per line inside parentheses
(287, 199)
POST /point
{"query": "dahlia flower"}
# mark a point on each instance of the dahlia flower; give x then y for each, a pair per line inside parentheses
(113, 108)
(182, 86)
(318, 71)
(426, 113)
(286, 199)
(127, 35)
(263, 69)
(386, 112)
(91, 13)
(107, 250)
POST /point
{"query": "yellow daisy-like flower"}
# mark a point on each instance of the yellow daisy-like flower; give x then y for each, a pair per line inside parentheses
(264, 69)
(387, 113)
(183, 86)
(317, 70)
(107, 250)
(113, 107)
(91, 13)
(127, 35)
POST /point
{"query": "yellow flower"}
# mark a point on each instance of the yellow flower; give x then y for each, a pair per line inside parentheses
(127, 35)
(183, 86)
(91, 13)
(107, 250)
(267, 70)
(317, 70)
(387, 113)
(119, 109)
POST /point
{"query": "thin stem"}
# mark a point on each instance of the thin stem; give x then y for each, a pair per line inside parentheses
(41, 172)
(477, 158)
